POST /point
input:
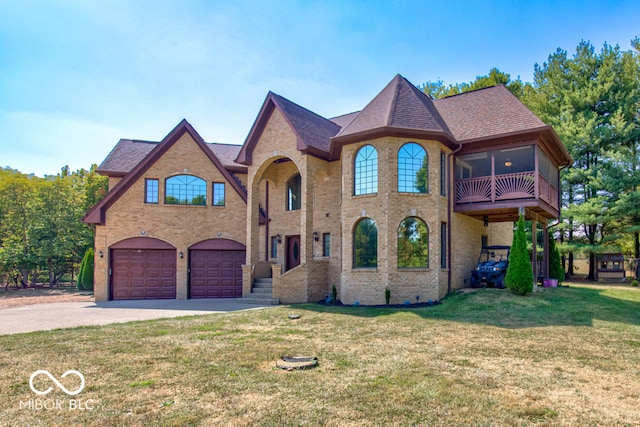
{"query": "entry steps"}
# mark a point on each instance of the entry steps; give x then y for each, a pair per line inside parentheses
(261, 292)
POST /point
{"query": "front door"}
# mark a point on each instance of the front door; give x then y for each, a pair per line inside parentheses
(293, 252)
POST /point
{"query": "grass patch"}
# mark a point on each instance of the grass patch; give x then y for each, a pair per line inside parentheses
(566, 356)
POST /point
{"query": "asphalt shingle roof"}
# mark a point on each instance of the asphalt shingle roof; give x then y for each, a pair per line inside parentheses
(399, 105)
(313, 130)
(129, 152)
(484, 113)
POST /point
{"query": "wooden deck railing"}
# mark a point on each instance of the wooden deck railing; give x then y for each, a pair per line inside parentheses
(501, 187)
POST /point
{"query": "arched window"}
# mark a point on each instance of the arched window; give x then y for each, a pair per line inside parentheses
(413, 243)
(365, 244)
(413, 169)
(185, 190)
(294, 201)
(366, 171)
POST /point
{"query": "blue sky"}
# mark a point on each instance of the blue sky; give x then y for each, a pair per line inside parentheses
(77, 75)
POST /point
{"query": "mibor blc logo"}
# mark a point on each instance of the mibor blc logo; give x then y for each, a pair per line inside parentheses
(56, 382)
(48, 404)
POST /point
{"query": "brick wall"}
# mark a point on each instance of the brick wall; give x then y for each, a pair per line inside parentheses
(181, 226)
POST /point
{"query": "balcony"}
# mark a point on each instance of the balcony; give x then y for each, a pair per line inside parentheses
(498, 196)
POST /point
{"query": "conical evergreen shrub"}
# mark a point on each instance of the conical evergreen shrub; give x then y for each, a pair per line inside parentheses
(555, 263)
(85, 275)
(519, 278)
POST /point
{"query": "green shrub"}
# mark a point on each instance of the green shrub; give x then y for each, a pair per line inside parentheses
(334, 293)
(387, 295)
(85, 276)
(555, 263)
(519, 278)
(634, 283)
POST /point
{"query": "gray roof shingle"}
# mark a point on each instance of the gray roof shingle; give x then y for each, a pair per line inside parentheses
(484, 113)
(129, 152)
(314, 130)
(399, 105)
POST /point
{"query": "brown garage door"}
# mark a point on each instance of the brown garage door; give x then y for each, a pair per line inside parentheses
(216, 274)
(143, 274)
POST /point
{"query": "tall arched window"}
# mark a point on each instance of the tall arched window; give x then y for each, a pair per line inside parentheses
(294, 199)
(413, 243)
(365, 244)
(185, 190)
(413, 169)
(366, 171)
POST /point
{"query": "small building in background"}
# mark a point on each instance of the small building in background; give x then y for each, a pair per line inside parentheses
(610, 267)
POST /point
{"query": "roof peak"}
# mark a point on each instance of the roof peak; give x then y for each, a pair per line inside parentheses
(401, 106)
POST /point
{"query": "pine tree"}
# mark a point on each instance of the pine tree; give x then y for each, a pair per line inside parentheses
(519, 278)
(555, 264)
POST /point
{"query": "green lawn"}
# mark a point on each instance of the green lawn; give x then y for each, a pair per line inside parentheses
(567, 356)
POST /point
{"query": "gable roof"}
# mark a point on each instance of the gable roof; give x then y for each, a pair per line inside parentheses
(97, 214)
(400, 109)
(313, 132)
(129, 152)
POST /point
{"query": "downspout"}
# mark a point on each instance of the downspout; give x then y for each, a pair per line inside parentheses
(266, 226)
(449, 210)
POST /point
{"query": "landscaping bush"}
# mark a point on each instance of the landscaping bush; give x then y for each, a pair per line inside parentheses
(634, 283)
(519, 278)
(85, 276)
(555, 263)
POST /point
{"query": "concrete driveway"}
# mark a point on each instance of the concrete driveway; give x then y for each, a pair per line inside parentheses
(44, 317)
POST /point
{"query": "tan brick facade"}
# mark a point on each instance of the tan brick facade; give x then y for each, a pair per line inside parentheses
(329, 206)
(179, 225)
(287, 243)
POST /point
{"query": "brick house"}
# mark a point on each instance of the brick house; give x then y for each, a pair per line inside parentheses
(400, 195)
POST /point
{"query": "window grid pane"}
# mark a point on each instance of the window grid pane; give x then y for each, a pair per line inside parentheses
(326, 244)
(365, 245)
(443, 174)
(413, 243)
(413, 170)
(443, 245)
(151, 191)
(366, 171)
(185, 190)
(218, 194)
(294, 199)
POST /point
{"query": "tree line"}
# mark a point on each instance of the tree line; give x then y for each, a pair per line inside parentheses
(592, 100)
(42, 238)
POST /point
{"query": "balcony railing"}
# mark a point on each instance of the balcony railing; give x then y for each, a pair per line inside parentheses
(506, 187)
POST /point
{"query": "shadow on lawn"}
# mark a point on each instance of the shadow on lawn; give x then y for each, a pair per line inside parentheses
(564, 306)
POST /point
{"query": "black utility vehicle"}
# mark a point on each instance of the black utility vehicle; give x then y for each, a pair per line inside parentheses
(492, 266)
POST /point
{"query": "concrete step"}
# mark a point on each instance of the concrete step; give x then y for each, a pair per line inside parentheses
(250, 299)
(262, 285)
(264, 290)
(262, 280)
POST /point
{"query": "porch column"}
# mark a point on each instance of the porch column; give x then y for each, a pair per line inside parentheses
(534, 252)
(545, 254)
